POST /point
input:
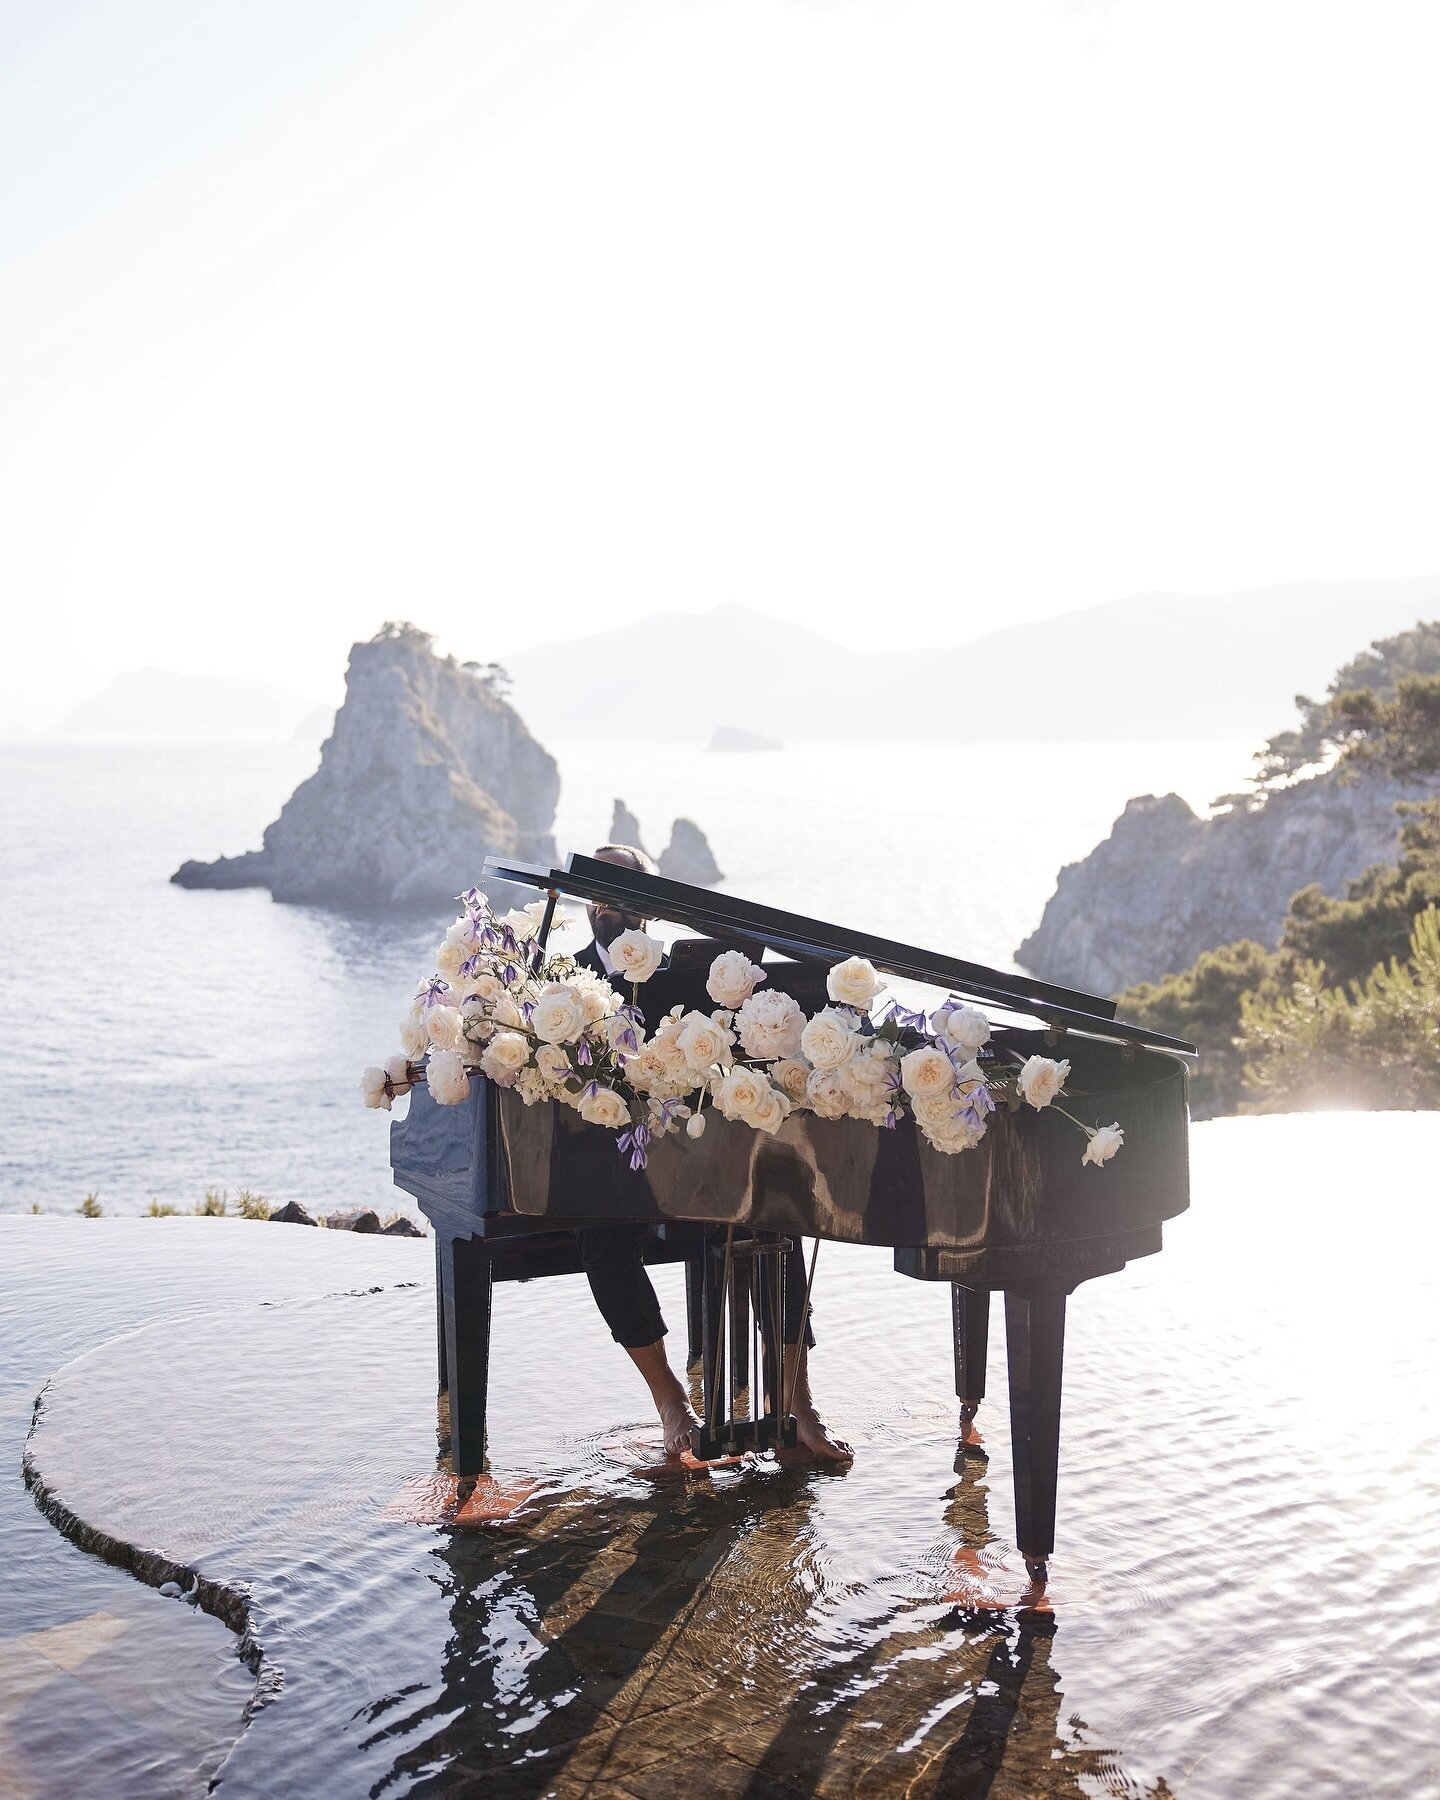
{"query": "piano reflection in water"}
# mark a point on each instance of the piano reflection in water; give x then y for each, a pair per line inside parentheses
(507, 1186)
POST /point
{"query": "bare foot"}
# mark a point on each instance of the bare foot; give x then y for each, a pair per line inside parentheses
(678, 1424)
(810, 1430)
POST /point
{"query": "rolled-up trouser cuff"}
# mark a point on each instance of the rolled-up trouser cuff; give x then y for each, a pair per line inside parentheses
(612, 1257)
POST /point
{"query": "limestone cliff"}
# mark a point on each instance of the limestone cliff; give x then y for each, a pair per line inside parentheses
(427, 770)
(688, 856)
(1167, 885)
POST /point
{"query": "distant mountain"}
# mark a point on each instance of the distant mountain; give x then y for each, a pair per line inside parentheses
(159, 706)
(1150, 666)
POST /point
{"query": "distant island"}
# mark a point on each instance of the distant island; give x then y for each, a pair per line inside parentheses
(149, 706)
(734, 737)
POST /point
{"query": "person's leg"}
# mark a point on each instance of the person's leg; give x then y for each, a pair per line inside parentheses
(613, 1259)
(809, 1426)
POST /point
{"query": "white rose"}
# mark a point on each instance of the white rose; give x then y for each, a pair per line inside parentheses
(448, 1081)
(622, 1034)
(532, 1087)
(791, 1076)
(703, 1042)
(770, 1111)
(604, 1107)
(444, 1027)
(740, 1092)
(559, 1016)
(397, 1068)
(770, 1025)
(1103, 1144)
(506, 1052)
(853, 983)
(482, 989)
(695, 1125)
(372, 1088)
(951, 1139)
(414, 1039)
(1041, 1079)
(926, 1071)
(553, 1064)
(830, 1038)
(449, 958)
(936, 1110)
(636, 956)
(866, 1078)
(506, 1011)
(825, 1091)
(733, 978)
(969, 1075)
(478, 1029)
(963, 1026)
(599, 997)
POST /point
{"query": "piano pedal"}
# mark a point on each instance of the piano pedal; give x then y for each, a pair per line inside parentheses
(737, 1437)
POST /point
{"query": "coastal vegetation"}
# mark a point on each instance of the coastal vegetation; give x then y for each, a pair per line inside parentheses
(1346, 1011)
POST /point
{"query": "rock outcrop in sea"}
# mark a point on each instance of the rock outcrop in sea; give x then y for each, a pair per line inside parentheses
(625, 827)
(1167, 885)
(688, 857)
(427, 771)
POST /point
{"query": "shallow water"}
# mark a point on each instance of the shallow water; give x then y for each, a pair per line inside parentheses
(1245, 1593)
(174, 1041)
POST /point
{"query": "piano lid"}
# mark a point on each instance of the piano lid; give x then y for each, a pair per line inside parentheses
(816, 940)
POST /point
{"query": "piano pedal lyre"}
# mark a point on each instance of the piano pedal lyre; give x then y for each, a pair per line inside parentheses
(741, 1299)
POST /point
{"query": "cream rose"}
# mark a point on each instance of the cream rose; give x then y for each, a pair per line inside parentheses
(443, 1025)
(936, 1111)
(703, 1042)
(446, 1075)
(482, 989)
(1041, 1079)
(830, 1038)
(790, 1076)
(604, 1107)
(397, 1069)
(740, 1092)
(506, 1052)
(449, 958)
(825, 1091)
(770, 1025)
(853, 983)
(559, 1016)
(926, 1071)
(414, 1039)
(373, 1090)
(866, 1078)
(963, 1026)
(1103, 1144)
(553, 1064)
(506, 1011)
(733, 978)
(769, 1112)
(635, 956)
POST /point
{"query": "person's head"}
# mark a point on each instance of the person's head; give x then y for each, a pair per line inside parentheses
(607, 920)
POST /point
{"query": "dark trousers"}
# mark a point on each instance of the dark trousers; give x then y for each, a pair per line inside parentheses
(612, 1257)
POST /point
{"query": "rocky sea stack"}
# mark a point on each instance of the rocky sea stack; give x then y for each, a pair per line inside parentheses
(427, 771)
(1167, 885)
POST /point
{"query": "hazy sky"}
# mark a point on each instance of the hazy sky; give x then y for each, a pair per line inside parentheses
(898, 318)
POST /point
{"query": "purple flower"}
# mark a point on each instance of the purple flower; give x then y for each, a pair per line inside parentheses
(635, 1141)
(434, 991)
(582, 1054)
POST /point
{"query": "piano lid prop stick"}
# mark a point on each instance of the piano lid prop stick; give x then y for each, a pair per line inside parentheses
(800, 1341)
(713, 1398)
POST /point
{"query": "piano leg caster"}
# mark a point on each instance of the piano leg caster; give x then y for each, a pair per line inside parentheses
(971, 1442)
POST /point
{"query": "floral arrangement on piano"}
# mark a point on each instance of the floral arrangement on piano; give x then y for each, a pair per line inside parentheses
(549, 1029)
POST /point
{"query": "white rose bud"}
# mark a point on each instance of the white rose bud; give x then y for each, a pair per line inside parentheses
(1042, 1079)
(448, 1081)
(830, 1039)
(372, 1088)
(926, 1071)
(1103, 1144)
(604, 1107)
(963, 1026)
(853, 983)
(695, 1125)
(635, 956)
(733, 978)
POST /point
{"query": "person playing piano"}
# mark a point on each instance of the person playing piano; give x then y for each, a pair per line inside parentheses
(613, 1259)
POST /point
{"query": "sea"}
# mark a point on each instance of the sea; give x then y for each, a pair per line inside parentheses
(163, 1043)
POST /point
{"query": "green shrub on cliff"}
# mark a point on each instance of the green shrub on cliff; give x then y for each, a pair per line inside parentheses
(1373, 1044)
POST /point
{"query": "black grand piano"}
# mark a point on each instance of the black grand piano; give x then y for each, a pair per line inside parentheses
(505, 1185)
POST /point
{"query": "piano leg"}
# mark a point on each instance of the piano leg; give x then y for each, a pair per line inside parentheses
(1035, 1348)
(970, 1314)
(465, 1288)
(740, 1370)
(443, 1370)
(694, 1307)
